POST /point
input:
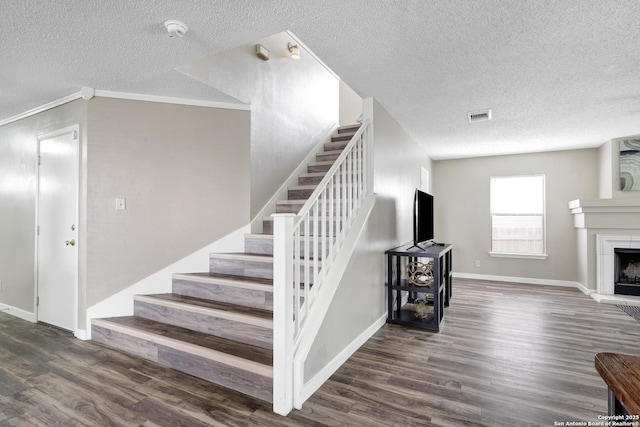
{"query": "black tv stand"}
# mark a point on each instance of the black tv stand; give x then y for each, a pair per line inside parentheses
(401, 290)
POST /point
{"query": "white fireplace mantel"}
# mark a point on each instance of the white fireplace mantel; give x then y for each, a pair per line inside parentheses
(606, 213)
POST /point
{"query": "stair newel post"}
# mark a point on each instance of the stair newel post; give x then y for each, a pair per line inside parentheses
(283, 319)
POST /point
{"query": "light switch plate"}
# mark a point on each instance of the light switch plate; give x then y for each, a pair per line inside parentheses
(121, 204)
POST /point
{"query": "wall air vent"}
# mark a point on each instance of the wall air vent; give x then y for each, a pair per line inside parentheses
(479, 116)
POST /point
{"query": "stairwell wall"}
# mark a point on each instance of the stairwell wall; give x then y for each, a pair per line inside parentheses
(359, 306)
(293, 104)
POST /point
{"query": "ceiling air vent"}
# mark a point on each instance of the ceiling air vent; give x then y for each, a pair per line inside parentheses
(479, 116)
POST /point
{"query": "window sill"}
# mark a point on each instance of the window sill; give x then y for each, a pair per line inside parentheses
(517, 255)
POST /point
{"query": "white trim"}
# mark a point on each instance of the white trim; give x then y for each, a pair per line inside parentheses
(616, 299)
(310, 52)
(526, 280)
(19, 313)
(125, 95)
(283, 317)
(330, 368)
(170, 100)
(517, 255)
(81, 334)
(40, 109)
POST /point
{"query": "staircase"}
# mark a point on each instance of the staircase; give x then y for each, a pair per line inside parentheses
(218, 326)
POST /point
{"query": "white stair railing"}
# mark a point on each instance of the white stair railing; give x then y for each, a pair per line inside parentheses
(305, 246)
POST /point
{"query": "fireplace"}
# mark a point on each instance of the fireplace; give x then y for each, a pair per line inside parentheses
(615, 223)
(627, 271)
(608, 248)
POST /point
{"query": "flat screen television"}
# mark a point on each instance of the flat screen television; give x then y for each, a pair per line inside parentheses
(422, 218)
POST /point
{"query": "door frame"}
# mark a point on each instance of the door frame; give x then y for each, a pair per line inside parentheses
(74, 129)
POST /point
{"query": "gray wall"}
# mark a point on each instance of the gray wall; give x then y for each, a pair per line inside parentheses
(461, 192)
(361, 297)
(18, 151)
(184, 172)
(293, 104)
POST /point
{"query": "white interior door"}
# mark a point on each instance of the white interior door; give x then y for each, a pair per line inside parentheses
(58, 229)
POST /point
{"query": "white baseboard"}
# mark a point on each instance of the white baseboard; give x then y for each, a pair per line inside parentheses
(82, 334)
(17, 312)
(121, 304)
(321, 377)
(616, 299)
(527, 280)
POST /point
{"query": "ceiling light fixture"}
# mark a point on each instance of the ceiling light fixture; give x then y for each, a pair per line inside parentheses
(295, 51)
(175, 28)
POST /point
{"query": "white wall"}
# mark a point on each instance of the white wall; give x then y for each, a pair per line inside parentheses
(350, 105)
(293, 104)
(18, 151)
(605, 171)
(462, 217)
(360, 300)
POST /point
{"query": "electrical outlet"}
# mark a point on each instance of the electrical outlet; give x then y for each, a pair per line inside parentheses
(477, 263)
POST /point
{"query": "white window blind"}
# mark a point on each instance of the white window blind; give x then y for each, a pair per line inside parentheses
(517, 215)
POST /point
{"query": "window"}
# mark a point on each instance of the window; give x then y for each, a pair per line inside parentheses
(517, 216)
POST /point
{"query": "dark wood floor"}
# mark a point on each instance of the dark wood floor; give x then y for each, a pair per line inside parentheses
(508, 355)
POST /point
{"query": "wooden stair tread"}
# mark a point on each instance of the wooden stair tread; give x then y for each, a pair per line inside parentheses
(173, 336)
(302, 187)
(312, 174)
(246, 256)
(232, 309)
(232, 280)
(344, 136)
(321, 163)
(264, 236)
(349, 128)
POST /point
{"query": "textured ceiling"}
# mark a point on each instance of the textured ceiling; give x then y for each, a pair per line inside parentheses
(558, 74)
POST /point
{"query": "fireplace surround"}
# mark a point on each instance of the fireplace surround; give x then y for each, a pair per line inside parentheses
(607, 259)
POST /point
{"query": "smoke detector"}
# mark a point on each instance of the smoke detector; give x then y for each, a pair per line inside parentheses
(479, 116)
(175, 28)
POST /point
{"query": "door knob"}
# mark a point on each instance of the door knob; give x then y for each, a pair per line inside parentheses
(71, 242)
